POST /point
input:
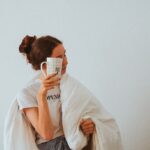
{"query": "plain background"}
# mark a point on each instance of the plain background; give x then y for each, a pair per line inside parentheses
(108, 49)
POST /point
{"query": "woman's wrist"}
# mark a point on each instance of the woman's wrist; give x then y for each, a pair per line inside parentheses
(41, 96)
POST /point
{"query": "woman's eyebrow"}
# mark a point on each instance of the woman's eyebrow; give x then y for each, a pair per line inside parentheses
(62, 54)
(59, 56)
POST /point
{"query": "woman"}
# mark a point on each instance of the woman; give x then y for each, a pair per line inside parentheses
(42, 111)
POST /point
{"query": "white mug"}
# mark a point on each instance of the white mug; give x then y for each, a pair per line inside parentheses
(53, 65)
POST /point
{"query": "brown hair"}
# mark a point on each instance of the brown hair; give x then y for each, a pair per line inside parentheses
(38, 49)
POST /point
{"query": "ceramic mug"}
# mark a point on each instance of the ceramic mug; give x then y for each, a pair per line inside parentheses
(53, 65)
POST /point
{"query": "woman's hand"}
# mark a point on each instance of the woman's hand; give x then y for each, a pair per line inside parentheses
(48, 83)
(87, 126)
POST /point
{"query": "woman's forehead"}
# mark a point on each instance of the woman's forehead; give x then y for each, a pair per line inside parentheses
(58, 50)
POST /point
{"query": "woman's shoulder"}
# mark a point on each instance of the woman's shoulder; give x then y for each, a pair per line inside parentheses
(27, 96)
(31, 87)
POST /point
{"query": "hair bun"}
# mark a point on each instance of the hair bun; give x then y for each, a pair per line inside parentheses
(26, 44)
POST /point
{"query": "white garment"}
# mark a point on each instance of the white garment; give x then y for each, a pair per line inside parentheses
(18, 133)
(27, 97)
(77, 103)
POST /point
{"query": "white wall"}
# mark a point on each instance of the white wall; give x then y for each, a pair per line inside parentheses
(107, 43)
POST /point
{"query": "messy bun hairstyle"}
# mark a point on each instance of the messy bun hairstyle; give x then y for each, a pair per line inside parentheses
(37, 50)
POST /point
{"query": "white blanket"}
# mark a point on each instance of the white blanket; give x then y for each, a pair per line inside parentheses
(18, 133)
(77, 103)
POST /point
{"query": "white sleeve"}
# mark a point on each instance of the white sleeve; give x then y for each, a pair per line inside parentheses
(26, 99)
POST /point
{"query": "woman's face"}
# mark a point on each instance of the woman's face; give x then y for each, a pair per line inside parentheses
(59, 52)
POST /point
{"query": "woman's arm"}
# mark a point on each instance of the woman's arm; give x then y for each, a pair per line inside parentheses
(40, 117)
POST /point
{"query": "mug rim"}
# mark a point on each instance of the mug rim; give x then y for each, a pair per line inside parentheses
(49, 58)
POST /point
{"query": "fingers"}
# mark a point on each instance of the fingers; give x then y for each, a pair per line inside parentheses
(50, 79)
(86, 122)
(52, 85)
(87, 126)
(50, 76)
(88, 132)
(49, 86)
(49, 82)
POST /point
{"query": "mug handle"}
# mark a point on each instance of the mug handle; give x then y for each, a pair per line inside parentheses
(42, 68)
